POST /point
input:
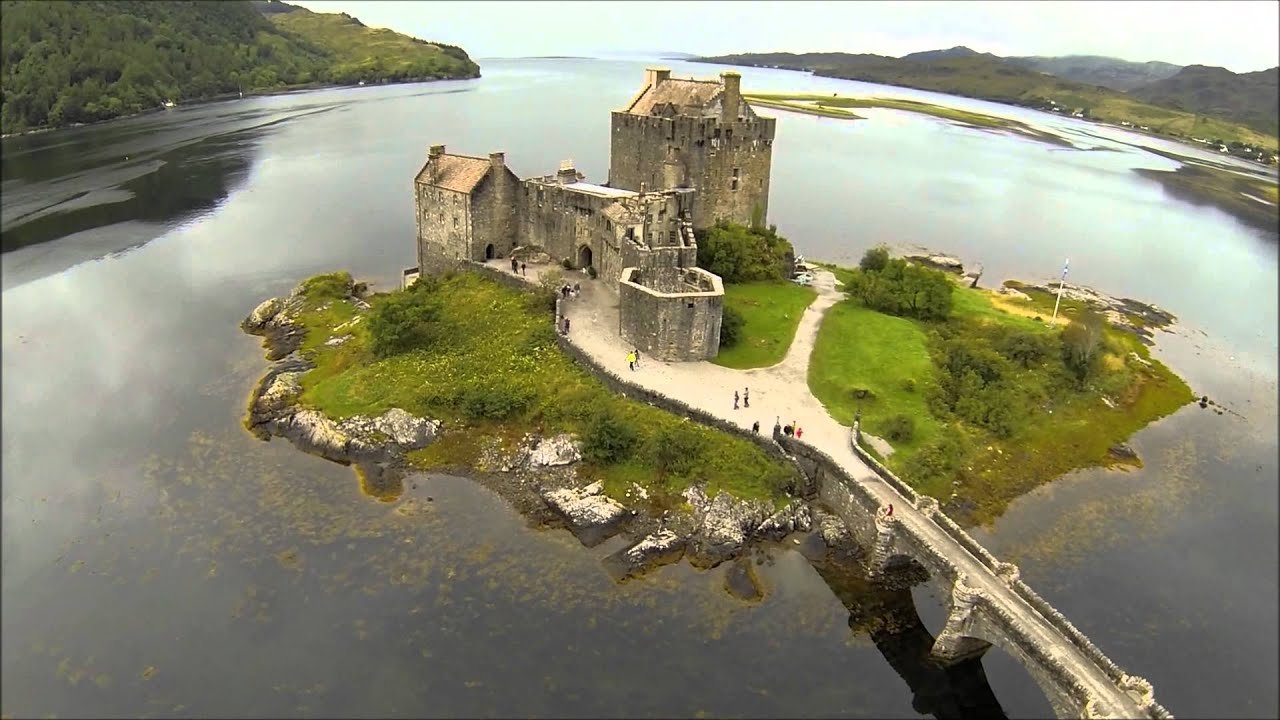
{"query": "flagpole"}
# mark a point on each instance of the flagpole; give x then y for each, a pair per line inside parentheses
(1062, 282)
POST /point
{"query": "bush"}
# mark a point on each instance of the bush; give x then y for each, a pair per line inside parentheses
(901, 288)
(1025, 348)
(492, 403)
(402, 322)
(939, 459)
(900, 428)
(566, 264)
(1080, 343)
(731, 322)
(676, 449)
(607, 438)
(331, 286)
(874, 259)
(909, 385)
(591, 272)
(741, 254)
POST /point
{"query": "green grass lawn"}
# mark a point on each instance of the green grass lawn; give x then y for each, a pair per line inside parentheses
(771, 312)
(1063, 429)
(495, 381)
(859, 348)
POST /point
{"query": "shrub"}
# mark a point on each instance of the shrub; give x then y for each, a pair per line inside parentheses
(591, 272)
(331, 286)
(938, 459)
(909, 385)
(676, 449)
(900, 428)
(566, 264)
(741, 254)
(731, 322)
(403, 321)
(1022, 347)
(607, 438)
(492, 402)
(1080, 342)
(874, 259)
(901, 288)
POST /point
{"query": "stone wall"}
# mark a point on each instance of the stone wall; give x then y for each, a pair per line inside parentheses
(644, 149)
(444, 225)
(494, 212)
(680, 324)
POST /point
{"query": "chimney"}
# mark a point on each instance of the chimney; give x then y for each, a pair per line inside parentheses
(567, 173)
(497, 160)
(436, 151)
(655, 76)
(732, 82)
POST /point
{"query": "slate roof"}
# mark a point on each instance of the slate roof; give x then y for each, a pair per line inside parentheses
(690, 97)
(459, 173)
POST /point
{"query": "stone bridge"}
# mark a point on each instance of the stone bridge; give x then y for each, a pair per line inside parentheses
(988, 603)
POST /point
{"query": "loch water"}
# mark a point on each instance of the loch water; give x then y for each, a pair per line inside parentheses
(159, 561)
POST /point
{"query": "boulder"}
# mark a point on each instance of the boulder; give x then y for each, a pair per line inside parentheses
(405, 431)
(555, 450)
(592, 516)
(654, 550)
(742, 582)
(265, 312)
(318, 434)
(280, 393)
(336, 341)
(725, 526)
(794, 517)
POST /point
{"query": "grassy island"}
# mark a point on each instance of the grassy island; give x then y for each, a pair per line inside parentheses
(838, 107)
(483, 359)
(981, 399)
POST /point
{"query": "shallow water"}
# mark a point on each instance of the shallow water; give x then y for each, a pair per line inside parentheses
(146, 534)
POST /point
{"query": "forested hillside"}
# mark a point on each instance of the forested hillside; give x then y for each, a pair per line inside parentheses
(83, 61)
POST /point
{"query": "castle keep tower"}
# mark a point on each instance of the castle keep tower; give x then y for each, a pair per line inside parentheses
(696, 134)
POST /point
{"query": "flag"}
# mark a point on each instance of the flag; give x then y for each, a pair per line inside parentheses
(1066, 264)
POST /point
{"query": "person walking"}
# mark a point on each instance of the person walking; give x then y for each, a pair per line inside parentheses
(522, 269)
(515, 265)
(577, 288)
(735, 399)
(566, 326)
(636, 352)
(631, 361)
(788, 430)
(755, 427)
(746, 397)
(799, 432)
(777, 426)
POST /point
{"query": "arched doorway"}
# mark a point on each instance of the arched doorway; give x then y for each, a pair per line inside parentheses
(489, 252)
(584, 256)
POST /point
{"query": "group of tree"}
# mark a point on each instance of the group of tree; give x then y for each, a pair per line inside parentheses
(83, 61)
(738, 253)
(897, 287)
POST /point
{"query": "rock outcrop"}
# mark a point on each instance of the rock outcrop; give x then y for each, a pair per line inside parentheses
(591, 515)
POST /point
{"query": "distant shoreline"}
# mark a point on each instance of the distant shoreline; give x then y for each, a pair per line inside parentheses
(234, 96)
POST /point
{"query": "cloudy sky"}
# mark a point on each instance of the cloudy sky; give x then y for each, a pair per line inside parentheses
(1240, 36)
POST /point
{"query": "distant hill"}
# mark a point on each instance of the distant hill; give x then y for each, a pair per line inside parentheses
(81, 61)
(958, 51)
(1251, 99)
(965, 72)
(1108, 72)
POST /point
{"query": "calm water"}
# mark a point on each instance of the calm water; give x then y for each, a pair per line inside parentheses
(159, 561)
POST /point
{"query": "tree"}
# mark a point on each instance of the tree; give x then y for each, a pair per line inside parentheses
(1081, 340)
(402, 322)
(875, 259)
(741, 254)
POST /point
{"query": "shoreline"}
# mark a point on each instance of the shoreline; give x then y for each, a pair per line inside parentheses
(227, 97)
(539, 477)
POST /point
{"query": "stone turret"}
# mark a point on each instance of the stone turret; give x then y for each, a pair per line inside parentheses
(732, 98)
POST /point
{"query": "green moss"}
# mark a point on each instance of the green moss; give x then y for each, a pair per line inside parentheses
(772, 312)
(517, 357)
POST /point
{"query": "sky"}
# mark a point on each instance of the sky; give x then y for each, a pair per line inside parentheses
(1240, 36)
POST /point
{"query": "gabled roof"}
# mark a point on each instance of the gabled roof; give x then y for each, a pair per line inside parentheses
(689, 97)
(459, 173)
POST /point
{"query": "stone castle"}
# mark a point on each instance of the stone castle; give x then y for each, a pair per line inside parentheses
(684, 155)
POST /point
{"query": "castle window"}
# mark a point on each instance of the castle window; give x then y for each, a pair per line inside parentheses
(735, 172)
